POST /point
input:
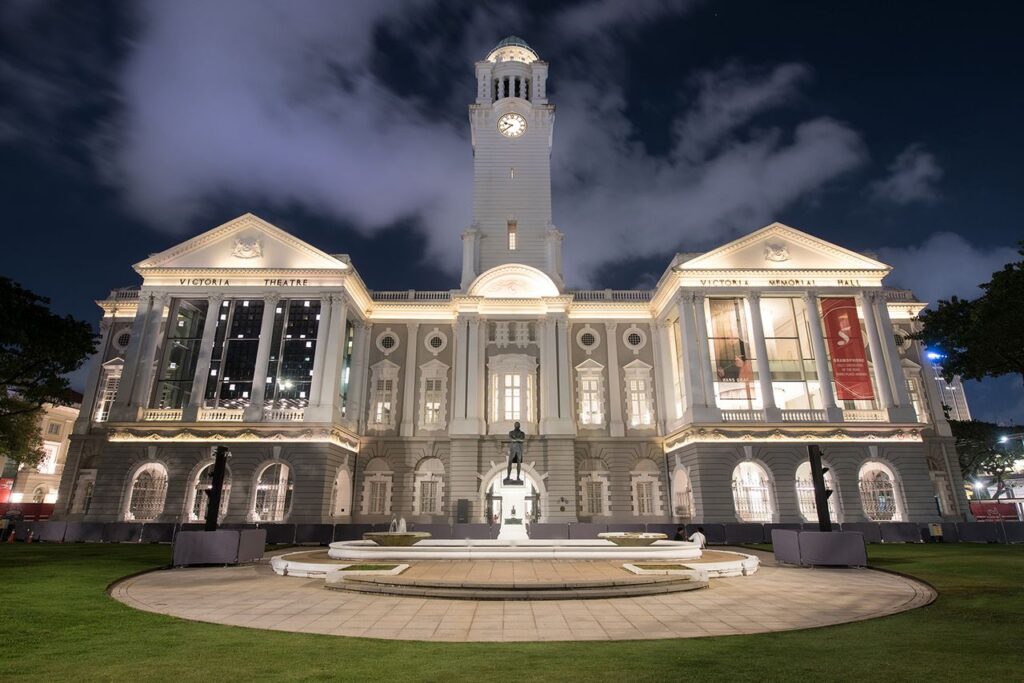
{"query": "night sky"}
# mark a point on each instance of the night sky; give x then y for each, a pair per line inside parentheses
(893, 128)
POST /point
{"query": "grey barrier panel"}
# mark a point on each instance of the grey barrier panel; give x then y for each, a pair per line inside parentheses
(122, 532)
(586, 530)
(252, 543)
(314, 534)
(714, 533)
(872, 534)
(668, 529)
(52, 532)
(87, 532)
(744, 533)
(441, 531)
(950, 533)
(900, 532)
(769, 528)
(279, 534)
(833, 548)
(161, 532)
(205, 547)
(786, 545)
(813, 526)
(351, 532)
(23, 529)
(1013, 532)
(978, 532)
(628, 527)
(474, 530)
(549, 530)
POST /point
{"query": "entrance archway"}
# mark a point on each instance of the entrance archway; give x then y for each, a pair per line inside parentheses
(528, 499)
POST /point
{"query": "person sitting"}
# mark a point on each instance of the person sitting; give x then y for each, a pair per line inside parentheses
(699, 538)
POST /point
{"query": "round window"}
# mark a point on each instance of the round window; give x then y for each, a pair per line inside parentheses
(388, 342)
(436, 342)
(123, 339)
(635, 339)
(588, 339)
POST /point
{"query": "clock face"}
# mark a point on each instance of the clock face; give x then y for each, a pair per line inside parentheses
(512, 125)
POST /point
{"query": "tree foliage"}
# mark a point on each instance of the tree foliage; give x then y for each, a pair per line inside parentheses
(983, 453)
(38, 348)
(981, 337)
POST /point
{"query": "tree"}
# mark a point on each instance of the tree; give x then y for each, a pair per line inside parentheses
(37, 349)
(983, 452)
(983, 337)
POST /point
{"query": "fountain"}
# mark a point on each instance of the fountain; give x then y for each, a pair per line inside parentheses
(396, 535)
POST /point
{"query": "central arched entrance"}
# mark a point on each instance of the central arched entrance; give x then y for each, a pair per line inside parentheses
(512, 507)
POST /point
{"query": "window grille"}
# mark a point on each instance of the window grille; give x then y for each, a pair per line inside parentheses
(149, 491)
(751, 493)
(590, 401)
(594, 497)
(201, 494)
(273, 494)
(639, 403)
(645, 497)
(878, 497)
(428, 497)
(108, 393)
(513, 241)
(378, 497)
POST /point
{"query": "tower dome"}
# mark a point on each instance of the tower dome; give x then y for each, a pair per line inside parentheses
(512, 49)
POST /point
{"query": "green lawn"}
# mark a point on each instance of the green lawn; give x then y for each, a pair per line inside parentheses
(57, 623)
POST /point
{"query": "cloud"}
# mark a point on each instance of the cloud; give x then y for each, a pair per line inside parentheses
(912, 178)
(286, 104)
(944, 265)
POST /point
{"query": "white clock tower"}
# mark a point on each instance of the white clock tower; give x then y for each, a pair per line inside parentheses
(512, 125)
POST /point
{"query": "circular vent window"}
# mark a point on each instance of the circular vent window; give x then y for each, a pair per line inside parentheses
(436, 342)
(634, 338)
(123, 339)
(387, 342)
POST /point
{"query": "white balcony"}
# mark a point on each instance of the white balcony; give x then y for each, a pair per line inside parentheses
(865, 416)
(804, 416)
(742, 416)
(220, 414)
(284, 415)
(162, 415)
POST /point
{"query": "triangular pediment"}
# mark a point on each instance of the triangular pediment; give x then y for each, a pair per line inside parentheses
(247, 242)
(780, 247)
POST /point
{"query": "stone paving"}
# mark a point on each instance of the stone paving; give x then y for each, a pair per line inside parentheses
(773, 599)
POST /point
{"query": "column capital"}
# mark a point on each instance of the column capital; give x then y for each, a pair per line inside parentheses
(610, 328)
(685, 296)
(271, 298)
(159, 298)
(362, 324)
(753, 295)
(215, 299)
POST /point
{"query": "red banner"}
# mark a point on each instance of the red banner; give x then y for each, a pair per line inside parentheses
(993, 511)
(846, 346)
(6, 485)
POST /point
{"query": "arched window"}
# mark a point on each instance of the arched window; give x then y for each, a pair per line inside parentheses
(273, 497)
(428, 496)
(752, 493)
(682, 494)
(805, 494)
(879, 493)
(646, 489)
(341, 494)
(199, 494)
(377, 478)
(39, 495)
(147, 494)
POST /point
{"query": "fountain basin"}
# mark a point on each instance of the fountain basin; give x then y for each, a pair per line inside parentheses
(632, 538)
(396, 538)
(527, 549)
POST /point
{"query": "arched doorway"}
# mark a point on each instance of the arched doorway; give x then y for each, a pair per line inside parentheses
(512, 507)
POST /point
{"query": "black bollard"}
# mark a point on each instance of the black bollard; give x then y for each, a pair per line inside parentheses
(821, 494)
(220, 465)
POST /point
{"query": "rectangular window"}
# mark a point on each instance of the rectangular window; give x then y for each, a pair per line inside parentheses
(640, 413)
(432, 402)
(645, 497)
(382, 409)
(180, 353)
(378, 497)
(513, 243)
(107, 393)
(590, 401)
(428, 497)
(513, 396)
(594, 499)
(790, 354)
(732, 355)
(53, 429)
(293, 345)
(235, 345)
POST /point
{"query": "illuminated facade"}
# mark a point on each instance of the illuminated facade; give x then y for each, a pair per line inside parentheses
(693, 401)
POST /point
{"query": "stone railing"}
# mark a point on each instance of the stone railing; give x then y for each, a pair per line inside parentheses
(865, 416)
(162, 415)
(283, 415)
(411, 295)
(124, 294)
(612, 294)
(804, 416)
(220, 414)
(742, 416)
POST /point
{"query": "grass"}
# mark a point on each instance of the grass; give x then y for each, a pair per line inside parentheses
(57, 623)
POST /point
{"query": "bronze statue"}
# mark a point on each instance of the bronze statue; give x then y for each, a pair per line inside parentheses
(515, 453)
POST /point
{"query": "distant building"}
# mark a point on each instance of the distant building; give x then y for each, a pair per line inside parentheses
(40, 484)
(693, 401)
(951, 393)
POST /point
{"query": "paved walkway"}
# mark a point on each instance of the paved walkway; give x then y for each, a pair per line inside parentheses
(773, 599)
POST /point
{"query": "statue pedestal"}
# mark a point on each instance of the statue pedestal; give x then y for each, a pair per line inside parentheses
(513, 482)
(513, 532)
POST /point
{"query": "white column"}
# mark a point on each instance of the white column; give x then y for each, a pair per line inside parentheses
(357, 375)
(460, 361)
(147, 355)
(764, 375)
(692, 388)
(254, 412)
(566, 417)
(703, 362)
(409, 385)
(828, 396)
(877, 357)
(323, 330)
(615, 424)
(476, 375)
(120, 409)
(546, 375)
(661, 332)
(190, 412)
(470, 248)
(330, 389)
(905, 411)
